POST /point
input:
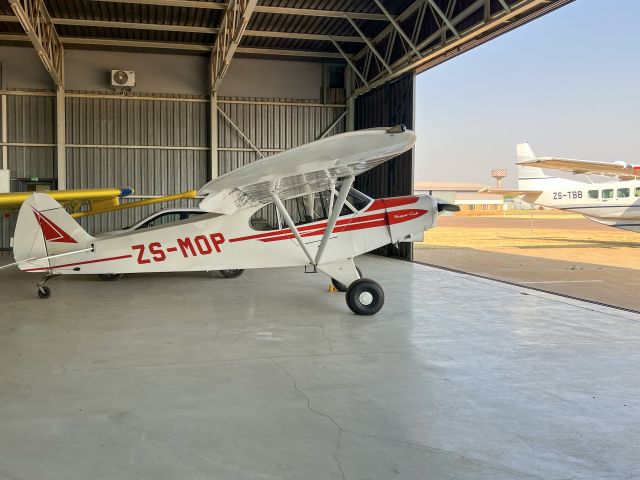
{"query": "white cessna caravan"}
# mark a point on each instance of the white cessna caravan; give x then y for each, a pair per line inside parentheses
(615, 203)
(296, 208)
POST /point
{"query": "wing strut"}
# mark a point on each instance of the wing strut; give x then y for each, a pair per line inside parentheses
(291, 225)
(333, 218)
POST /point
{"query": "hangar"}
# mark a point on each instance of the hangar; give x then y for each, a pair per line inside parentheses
(185, 376)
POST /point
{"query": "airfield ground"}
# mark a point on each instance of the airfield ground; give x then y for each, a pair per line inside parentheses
(560, 253)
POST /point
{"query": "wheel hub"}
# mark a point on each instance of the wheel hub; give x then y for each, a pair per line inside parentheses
(366, 298)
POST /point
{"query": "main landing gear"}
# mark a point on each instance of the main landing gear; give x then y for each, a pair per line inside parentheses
(43, 290)
(364, 296)
(341, 287)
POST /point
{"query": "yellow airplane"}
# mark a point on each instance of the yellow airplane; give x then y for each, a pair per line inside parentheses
(95, 200)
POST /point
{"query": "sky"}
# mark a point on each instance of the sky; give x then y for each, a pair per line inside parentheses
(568, 83)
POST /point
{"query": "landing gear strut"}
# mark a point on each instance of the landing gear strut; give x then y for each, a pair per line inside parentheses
(341, 287)
(43, 290)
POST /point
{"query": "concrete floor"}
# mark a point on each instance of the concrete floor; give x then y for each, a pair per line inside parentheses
(268, 376)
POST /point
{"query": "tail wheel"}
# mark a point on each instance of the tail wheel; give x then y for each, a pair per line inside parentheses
(365, 297)
(341, 287)
(44, 292)
(109, 277)
(231, 273)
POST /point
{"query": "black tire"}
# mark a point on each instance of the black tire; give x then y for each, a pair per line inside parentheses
(44, 292)
(231, 273)
(341, 287)
(110, 277)
(365, 297)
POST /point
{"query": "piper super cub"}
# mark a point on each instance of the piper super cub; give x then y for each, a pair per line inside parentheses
(296, 208)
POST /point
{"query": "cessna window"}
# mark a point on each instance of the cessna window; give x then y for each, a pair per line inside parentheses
(637, 191)
(168, 217)
(306, 209)
(593, 194)
(265, 219)
(623, 192)
(607, 193)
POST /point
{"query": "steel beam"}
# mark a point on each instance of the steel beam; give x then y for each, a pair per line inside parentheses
(260, 9)
(332, 126)
(399, 29)
(504, 4)
(521, 13)
(213, 135)
(351, 64)
(195, 47)
(161, 27)
(35, 20)
(61, 147)
(369, 44)
(242, 134)
(443, 17)
(232, 26)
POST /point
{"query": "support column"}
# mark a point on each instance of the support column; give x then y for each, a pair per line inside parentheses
(61, 147)
(213, 135)
(351, 103)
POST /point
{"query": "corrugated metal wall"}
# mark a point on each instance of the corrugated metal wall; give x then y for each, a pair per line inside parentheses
(157, 145)
(387, 106)
(30, 144)
(272, 125)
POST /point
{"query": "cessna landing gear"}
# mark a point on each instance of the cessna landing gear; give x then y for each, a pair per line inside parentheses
(231, 273)
(43, 290)
(341, 287)
(365, 297)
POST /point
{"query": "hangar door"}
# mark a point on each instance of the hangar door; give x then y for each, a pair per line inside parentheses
(386, 106)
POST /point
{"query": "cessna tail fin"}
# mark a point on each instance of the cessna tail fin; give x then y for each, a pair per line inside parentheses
(45, 229)
(528, 176)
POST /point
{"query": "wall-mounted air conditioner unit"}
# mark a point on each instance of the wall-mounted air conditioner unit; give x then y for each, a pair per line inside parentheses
(123, 78)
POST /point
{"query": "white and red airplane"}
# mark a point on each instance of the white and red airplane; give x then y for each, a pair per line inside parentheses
(296, 208)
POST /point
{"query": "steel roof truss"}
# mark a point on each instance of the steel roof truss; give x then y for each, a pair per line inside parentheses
(35, 20)
(232, 26)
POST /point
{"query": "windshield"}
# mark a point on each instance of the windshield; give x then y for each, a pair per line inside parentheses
(307, 209)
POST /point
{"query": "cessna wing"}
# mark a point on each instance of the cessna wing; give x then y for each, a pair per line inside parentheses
(98, 198)
(621, 170)
(499, 191)
(305, 170)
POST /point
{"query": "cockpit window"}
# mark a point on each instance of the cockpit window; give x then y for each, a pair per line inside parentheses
(306, 209)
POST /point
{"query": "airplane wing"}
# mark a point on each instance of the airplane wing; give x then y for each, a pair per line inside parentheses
(304, 170)
(496, 191)
(621, 170)
(98, 198)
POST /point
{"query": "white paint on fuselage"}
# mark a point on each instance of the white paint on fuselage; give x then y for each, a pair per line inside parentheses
(611, 207)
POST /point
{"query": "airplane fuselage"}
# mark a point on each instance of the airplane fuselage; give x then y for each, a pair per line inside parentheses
(614, 203)
(218, 242)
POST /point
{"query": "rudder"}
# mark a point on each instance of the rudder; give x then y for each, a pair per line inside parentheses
(44, 229)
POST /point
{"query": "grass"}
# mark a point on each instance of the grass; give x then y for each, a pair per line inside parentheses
(612, 247)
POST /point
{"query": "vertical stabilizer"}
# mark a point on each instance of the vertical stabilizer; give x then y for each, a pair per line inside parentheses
(528, 175)
(44, 229)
